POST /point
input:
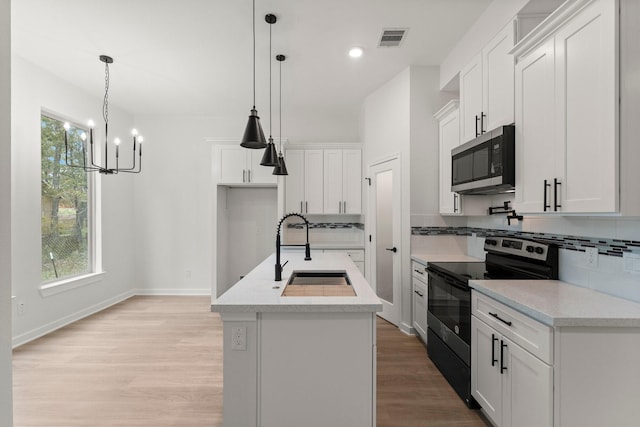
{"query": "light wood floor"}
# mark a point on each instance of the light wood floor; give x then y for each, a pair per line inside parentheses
(157, 361)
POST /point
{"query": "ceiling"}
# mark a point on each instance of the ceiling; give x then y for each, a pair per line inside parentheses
(195, 56)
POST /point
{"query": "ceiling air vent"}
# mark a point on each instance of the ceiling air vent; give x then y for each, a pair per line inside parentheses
(392, 37)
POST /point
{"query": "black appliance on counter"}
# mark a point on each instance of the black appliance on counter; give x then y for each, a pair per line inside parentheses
(486, 164)
(449, 300)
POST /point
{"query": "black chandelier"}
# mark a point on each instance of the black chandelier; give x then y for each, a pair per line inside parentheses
(89, 163)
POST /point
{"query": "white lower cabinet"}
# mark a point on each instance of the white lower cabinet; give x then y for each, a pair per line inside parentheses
(419, 298)
(513, 386)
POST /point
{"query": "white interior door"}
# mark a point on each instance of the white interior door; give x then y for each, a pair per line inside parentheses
(384, 209)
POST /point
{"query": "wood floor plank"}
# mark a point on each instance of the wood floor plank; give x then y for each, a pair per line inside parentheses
(157, 362)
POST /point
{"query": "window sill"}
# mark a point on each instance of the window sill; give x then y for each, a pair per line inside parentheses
(49, 289)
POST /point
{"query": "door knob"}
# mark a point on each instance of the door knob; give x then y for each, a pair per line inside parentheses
(393, 249)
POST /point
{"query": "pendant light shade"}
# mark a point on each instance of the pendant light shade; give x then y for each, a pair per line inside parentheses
(270, 156)
(281, 167)
(253, 136)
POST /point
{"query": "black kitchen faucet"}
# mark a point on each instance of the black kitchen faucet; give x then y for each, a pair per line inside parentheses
(307, 248)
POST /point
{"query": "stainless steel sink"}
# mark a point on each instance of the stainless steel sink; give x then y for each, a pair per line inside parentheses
(319, 277)
(318, 283)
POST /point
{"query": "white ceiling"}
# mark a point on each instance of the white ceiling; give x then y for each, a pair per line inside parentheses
(194, 56)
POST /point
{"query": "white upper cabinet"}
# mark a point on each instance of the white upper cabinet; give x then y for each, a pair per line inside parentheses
(471, 99)
(567, 115)
(486, 87)
(304, 184)
(449, 138)
(238, 165)
(342, 181)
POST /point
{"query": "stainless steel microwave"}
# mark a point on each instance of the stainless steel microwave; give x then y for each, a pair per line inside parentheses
(485, 165)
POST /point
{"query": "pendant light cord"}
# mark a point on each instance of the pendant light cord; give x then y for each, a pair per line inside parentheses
(280, 107)
(254, 54)
(270, 103)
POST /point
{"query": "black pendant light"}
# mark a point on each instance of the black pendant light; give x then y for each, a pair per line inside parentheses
(270, 156)
(281, 167)
(253, 136)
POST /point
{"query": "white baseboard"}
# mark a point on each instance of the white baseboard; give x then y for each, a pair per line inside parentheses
(409, 330)
(66, 320)
(173, 292)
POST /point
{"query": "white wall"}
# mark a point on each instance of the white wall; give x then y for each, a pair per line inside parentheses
(6, 404)
(175, 210)
(397, 119)
(34, 89)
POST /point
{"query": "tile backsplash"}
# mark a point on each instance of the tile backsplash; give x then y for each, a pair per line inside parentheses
(605, 246)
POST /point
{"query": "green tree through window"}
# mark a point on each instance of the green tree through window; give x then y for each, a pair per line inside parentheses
(65, 217)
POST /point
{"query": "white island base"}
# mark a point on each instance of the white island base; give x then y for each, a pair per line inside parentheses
(309, 361)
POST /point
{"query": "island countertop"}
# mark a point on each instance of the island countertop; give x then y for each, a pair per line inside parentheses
(259, 292)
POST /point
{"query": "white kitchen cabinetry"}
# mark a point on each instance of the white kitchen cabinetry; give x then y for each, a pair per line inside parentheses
(420, 294)
(238, 165)
(304, 184)
(356, 255)
(513, 386)
(486, 87)
(567, 112)
(449, 138)
(342, 181)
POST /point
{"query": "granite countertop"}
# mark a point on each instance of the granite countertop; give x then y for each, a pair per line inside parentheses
(556, 303)
(256, 293)
(424, 258)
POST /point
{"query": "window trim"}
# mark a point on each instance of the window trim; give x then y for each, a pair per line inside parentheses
(94, 222)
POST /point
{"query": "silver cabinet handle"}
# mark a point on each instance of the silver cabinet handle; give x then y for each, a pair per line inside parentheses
(244, 175)
(301, 211)
(345, 207)
(249, 175)
(306, 207)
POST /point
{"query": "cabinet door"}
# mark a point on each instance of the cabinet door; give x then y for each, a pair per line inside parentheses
(352, 181)
(470, 99)
(420, 308)
(333, 181)
(527, 398)
(294, 182)
(313, 181)
(498, 80)
(486, 381)
(449, 138)
(260, 174)
(232, 165)
(586, 80)
(535, 124)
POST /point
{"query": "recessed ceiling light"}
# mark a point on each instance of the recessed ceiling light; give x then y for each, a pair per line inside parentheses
(355, 52)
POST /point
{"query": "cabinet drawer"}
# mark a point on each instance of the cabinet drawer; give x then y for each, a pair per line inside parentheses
(528, 333)
(418, 271)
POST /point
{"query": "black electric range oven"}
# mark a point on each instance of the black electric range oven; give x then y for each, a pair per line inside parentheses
(449, 300)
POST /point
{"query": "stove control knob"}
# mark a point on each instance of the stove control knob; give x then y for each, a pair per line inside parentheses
(529, 248)
(539, 250)
(492, 242)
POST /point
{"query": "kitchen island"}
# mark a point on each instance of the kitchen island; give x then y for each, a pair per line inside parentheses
(298, 360)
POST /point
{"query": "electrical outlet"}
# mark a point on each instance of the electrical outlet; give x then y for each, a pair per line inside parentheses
(239, 338)
(20, 309)
(591, 257)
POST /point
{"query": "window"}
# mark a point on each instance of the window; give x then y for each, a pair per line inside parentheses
(66, 217)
